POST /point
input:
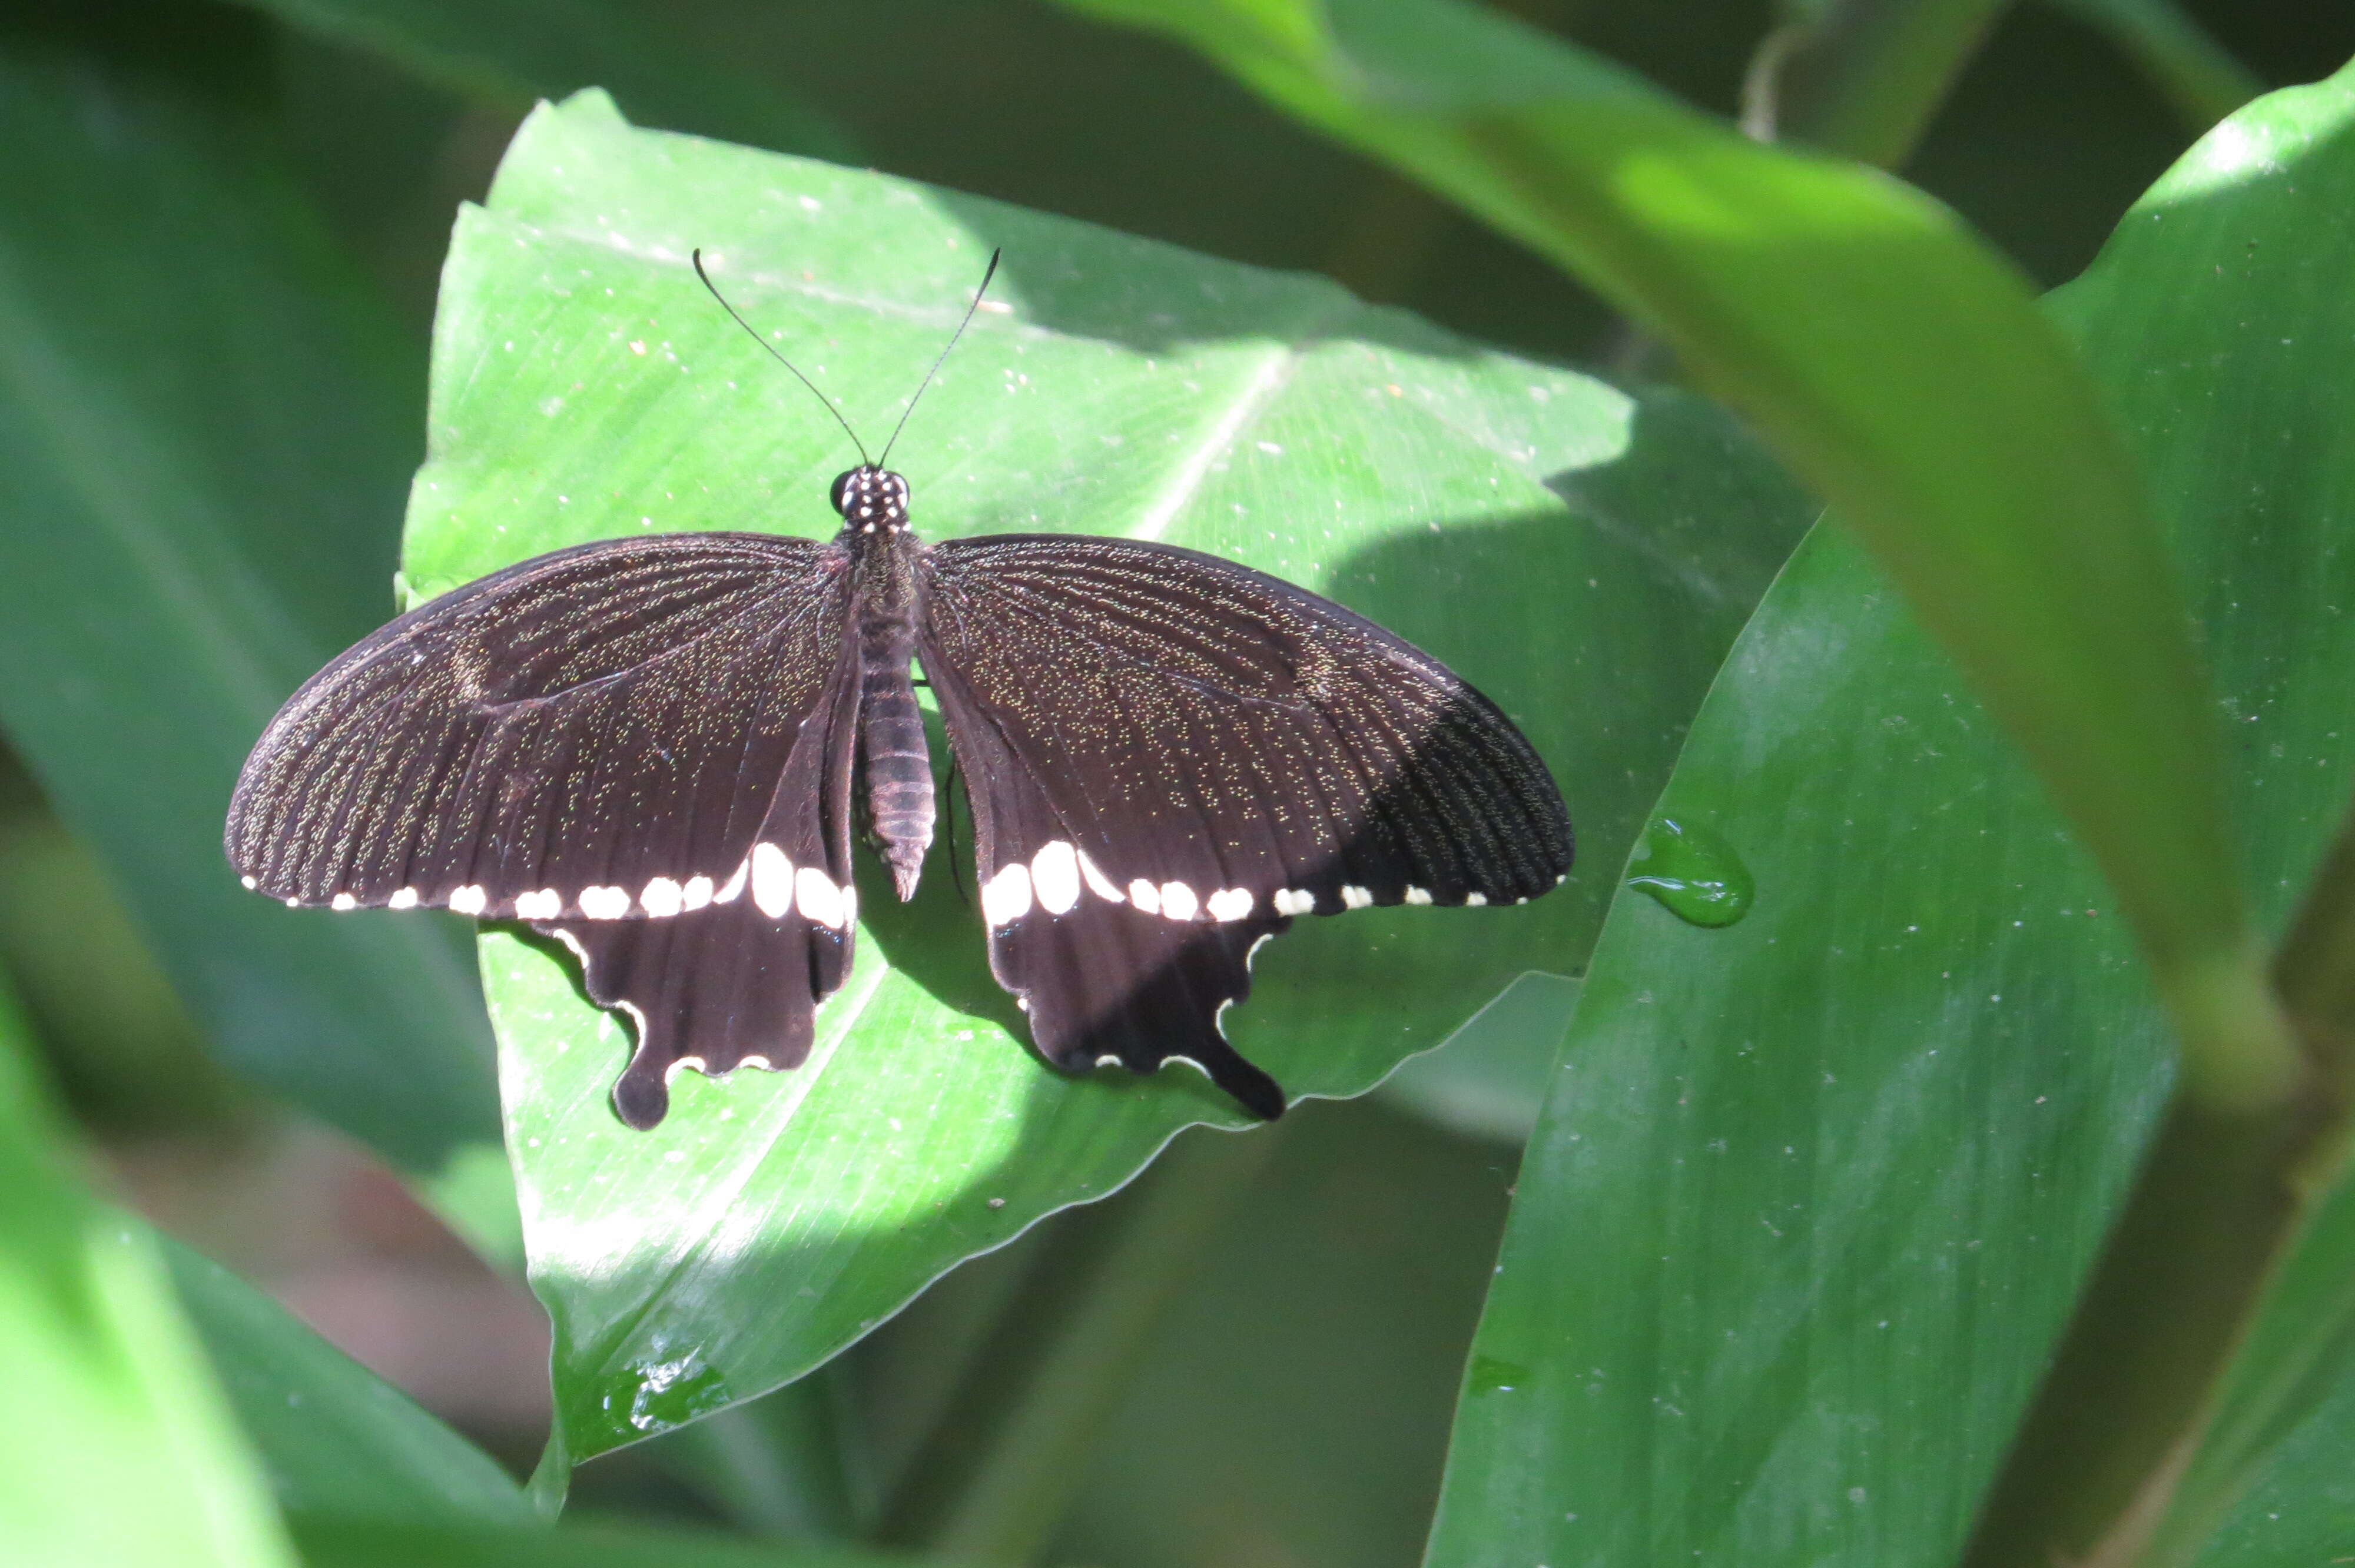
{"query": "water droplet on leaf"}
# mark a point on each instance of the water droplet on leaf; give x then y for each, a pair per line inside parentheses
(1693, 873)
(654, 1396)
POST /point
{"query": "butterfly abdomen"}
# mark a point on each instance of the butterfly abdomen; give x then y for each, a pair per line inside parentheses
(891, 728)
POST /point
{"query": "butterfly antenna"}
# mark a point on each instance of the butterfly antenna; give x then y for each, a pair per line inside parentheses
(788, 364)
(935, 370)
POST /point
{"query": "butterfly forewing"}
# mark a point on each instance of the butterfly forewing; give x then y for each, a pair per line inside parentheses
(642, 747)
(590, 720)
(1170, 755)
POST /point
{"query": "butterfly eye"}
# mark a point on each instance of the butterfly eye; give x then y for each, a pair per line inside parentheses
(842, 491)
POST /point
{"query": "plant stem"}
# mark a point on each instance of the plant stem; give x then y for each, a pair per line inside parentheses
(1865, 79)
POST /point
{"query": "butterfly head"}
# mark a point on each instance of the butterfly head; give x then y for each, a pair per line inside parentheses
(872, 499)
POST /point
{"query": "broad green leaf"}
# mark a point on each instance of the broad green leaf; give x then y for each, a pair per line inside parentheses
(333, 1437)
(1899, 365)
(202, 447)
(122, 1451)
(1541, 532)
(2218, 320)
(330, 1541)
(1813, 1193)
(519, 50)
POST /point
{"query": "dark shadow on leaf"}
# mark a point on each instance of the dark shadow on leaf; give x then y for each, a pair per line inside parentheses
(936, 938)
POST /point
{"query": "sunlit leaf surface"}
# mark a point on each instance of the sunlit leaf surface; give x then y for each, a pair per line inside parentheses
(1813, 1193)
(1581, 556)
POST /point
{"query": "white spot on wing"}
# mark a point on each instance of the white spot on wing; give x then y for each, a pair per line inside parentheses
(404, 899)
(1354, 898)
(1230, 903)
(662, 898)
(1418, 895)
(1178, 901)
(1294, 901)
(735, 886)
(1474, 900)
(1006, 898)
(696, 893)
(772, 881)
(850, 907)
(250, 883)
(544, 904)
(1144, 896)
(468, 900)
(343, 900)
(1055, 877)
(820, 899)
(1100, 884)
(604, 903)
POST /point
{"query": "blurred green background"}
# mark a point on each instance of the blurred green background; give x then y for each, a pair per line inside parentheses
(1297, 1407)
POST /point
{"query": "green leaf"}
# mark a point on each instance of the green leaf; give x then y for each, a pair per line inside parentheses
(1901, 368)
(1533, 527)
(2217, 320)
(1814, 1193)
(519, 50)
(332, 1435)
(202, 447)
(329, 1541)
(124, 1452)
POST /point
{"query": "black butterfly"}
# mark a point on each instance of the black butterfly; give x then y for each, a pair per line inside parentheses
(652, 748)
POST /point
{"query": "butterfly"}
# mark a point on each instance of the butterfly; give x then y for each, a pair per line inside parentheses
(654, 749)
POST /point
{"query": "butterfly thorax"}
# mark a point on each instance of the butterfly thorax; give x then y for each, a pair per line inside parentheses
(899, 769)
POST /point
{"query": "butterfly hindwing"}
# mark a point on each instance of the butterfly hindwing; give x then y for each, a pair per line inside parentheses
(644, 746)
(1099, 977)
(1218, 751)
(739, 980)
